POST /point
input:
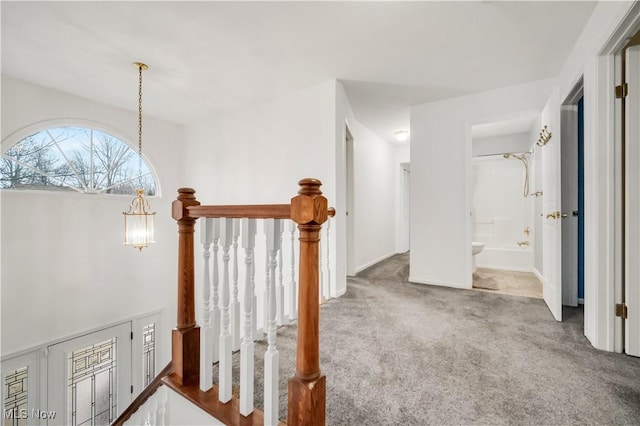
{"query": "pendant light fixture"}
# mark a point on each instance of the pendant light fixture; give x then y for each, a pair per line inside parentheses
(139, 220)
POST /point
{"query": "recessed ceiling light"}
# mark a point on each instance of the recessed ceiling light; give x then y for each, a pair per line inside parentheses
(402, 135)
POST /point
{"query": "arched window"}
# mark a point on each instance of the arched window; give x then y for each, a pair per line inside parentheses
(75, 158)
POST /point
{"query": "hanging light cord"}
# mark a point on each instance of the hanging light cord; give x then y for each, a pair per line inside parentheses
(140, 66)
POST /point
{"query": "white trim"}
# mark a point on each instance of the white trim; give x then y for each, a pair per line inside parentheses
(538, 275)
(373, 262)
(339, 294)
(45, 345)
(503, 268)
(601, 326)
(438, 283)
(17, 135)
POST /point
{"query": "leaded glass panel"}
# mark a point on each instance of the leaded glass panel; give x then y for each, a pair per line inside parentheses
(15, 397)
(149, 353)
(92, 384)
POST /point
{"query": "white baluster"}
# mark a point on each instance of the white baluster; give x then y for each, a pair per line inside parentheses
(215, 311)
(265, 293)
(321, 282)
(327, 288)
(224, 380)
(161, 416)
(235, 304)
(254, 309)
(247, 359)
(207, 336)
(280, 286)
(271, 357)
(293, 286)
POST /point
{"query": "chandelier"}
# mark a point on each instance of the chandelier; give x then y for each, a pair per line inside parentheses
(139, 219)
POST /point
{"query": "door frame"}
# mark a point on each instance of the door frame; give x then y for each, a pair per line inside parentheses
(58, 353)
(349, 147)
(569, 127)
(602, 237)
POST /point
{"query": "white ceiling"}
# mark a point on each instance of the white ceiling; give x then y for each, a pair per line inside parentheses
(208, 56)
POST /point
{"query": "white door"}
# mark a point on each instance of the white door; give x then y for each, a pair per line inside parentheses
(89, 377)
(632, 237)
(551, 208)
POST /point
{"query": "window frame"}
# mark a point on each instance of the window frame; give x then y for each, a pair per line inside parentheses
(13, 138)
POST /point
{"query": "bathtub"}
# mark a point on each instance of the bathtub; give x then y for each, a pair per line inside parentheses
(509, 257)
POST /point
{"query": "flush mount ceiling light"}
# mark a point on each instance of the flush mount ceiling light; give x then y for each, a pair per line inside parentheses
(139, 219)
(402, 135)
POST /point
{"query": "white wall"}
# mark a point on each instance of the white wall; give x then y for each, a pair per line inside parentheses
(375, 172)
(258, 153)
(489, 145)
(167, 407)
(64, 267)
(403, 202)
(589, 59)
(441, 176)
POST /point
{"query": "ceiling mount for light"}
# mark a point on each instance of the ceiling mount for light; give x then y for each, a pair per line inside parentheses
(139, 229)
(402, 135)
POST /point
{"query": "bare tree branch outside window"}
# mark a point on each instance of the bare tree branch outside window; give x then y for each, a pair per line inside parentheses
(72, 158)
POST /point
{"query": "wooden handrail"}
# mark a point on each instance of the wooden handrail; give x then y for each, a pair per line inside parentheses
(256, 211)
(309, 209)
(142, 398)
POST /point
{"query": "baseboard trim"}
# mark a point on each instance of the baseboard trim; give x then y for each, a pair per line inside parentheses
(336, 295)
(538, 275)
(373, 262)
(505, 268)
(438, 283)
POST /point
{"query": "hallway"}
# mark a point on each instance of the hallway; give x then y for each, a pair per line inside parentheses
(396, 352)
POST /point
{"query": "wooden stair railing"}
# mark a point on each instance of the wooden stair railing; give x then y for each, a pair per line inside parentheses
(306, 389)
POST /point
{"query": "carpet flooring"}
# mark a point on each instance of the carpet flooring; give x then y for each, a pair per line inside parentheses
(398, 353)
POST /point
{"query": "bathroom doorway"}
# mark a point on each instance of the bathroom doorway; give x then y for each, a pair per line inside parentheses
(502, 206)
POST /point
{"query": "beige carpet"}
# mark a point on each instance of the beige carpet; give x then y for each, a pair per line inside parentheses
(485, 281)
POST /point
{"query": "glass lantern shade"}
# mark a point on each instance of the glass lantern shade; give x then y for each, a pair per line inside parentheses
(139, 229)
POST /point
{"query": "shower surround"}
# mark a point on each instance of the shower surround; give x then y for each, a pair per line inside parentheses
(502, 215)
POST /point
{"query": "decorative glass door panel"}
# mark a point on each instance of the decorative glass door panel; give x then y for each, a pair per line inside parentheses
(92, 384)
(89, 377)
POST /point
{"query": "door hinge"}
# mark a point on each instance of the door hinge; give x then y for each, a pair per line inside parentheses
(622, 91)
(131, 388)
(132, 335)
(621, 310)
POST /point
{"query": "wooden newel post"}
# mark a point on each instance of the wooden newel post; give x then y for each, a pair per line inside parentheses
(307, 388)
(185, 342)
